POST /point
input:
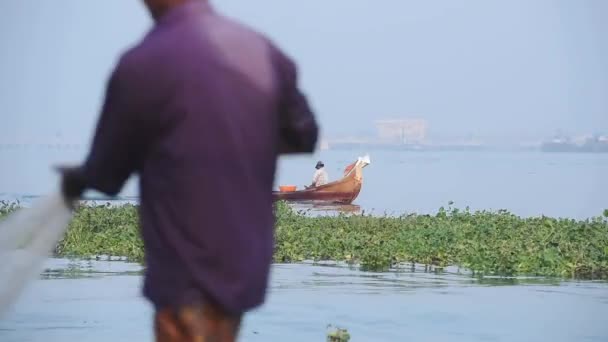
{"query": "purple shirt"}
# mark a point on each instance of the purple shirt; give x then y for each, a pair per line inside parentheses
(200, 109)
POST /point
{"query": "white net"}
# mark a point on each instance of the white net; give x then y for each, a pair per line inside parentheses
(27, 238)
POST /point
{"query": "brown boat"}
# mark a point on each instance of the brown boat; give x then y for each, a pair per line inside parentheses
(343, 191)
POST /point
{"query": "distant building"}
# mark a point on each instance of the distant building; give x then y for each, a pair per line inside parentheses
(402, 131)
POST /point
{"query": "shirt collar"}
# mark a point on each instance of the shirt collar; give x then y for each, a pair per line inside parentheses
(185, 10)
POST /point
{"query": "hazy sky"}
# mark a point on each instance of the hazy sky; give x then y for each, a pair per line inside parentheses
(517, 69)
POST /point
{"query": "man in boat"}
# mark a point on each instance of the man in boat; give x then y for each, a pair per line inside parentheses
(320, 176)
(179, 111)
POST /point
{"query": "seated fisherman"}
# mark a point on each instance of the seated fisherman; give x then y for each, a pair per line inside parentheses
(320, 176)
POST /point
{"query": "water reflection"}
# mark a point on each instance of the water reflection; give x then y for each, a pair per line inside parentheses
(335, 277)
(315, 275)
(325, 208)
(98, 268)
(100, 300)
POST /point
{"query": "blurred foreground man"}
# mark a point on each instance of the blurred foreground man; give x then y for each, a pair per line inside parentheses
(200, 109)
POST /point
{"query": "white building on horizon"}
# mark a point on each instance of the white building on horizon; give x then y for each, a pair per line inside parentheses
(402, 131)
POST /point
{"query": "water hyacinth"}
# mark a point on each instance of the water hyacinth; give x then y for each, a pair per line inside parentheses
(337, 334)
(487, 243)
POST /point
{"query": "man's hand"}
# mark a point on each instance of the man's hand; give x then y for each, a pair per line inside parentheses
(73, 183)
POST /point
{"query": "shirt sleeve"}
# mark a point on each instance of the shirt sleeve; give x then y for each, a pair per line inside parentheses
(117, 144)
(297, 124)
(315, 177)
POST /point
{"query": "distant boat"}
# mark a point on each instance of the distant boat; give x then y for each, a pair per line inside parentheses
(558, 145)
(592, 145)
(342, 191)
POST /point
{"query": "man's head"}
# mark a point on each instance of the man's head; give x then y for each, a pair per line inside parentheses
(159, 7)
(319, 165)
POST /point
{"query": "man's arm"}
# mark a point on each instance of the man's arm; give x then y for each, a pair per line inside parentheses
(117, 144)
(298, 127)
(315, 179)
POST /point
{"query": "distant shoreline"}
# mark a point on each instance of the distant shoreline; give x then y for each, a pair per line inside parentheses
(463, 148)
(371, 146)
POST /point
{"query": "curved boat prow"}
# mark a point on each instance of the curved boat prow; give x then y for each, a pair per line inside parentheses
(361, 162)
(364, 160)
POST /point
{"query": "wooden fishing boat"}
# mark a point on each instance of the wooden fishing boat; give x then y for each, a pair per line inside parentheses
(343, 191)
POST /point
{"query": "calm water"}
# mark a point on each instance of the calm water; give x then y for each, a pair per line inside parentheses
(104, 304)
(527, 183)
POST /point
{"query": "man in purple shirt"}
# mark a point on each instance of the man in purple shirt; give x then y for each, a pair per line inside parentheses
(200, 109)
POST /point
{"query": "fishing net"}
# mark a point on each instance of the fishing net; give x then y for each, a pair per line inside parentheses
(27, 238)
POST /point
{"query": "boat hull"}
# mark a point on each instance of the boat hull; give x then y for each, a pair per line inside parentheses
(340, 197)
(343, 191)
